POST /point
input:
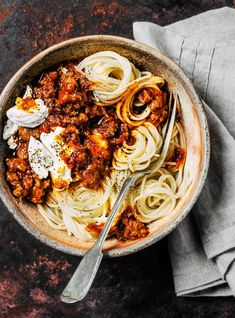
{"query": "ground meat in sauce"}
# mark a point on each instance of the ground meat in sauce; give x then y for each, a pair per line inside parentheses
(107, 127)
(93, 176)
(24, 182)
(156, 101)
(180, 156)
(129, 227)
(95, 229)
(22, 151)
(78, 155)
(98, 147)
(144, 96)
(92, 133)
(24, 134)
(47, 86)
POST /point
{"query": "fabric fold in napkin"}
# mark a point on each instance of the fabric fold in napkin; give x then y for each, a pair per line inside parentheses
(202, 248)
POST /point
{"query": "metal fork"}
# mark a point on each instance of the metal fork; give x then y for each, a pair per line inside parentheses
(82, 279)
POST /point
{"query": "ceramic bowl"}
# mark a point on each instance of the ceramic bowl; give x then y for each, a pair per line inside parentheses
(194, 120)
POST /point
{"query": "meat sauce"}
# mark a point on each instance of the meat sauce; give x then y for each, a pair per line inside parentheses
(128, 227)
(156, 101)
(25, 183)
(93, 133)
(180, 156)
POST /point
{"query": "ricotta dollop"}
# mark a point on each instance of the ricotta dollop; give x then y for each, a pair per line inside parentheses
(28, 112)
(44, 157)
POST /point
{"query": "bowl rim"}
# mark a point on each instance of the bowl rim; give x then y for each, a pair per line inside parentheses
(205, 146)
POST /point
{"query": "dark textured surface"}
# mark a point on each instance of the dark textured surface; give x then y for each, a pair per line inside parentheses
(33, 275)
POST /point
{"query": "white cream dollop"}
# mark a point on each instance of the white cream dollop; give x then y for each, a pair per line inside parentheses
(59, 170)
(12, 143)
(9, 129)
(28, 92)
(28, 118)
(44, 157)
(39, 158)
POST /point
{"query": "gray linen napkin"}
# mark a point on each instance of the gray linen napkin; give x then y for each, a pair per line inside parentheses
(202, 248)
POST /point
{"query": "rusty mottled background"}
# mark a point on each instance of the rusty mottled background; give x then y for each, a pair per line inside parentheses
(33, 275)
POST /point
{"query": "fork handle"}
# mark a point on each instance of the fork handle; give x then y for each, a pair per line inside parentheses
(83, 277)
